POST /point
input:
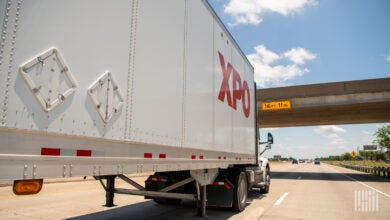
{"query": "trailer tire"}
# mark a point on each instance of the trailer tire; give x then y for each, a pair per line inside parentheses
(240, 191)
(265, 189)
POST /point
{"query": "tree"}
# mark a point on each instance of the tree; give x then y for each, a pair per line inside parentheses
(346, 156)
(383, 138)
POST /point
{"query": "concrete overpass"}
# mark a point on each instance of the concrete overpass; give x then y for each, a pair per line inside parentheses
(350, 102)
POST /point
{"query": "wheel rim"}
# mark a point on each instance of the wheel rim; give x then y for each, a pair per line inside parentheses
(242, 191)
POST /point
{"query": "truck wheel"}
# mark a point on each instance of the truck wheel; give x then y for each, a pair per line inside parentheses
(240, 191)
(265, 189)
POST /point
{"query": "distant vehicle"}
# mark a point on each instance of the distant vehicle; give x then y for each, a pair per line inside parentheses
(317, 161)
(308, 161)
(294, 161)
(301, 160)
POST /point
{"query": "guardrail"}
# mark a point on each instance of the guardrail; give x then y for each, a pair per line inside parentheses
(378, 171)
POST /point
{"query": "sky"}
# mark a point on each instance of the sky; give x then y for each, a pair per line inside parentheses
(299, 42)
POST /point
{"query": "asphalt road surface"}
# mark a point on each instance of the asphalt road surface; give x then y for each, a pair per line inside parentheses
(303, 191)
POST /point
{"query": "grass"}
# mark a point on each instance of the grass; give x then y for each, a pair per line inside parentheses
(360, 162)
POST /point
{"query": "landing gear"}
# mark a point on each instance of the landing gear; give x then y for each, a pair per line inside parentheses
(202, 201)
(109, 187)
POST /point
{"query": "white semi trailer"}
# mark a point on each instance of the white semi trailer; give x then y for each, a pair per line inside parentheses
(108, 88)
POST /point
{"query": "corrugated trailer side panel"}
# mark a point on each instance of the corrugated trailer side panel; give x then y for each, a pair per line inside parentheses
(244, 115)
(199, 84)
(90, 41)
(223, 116)
(157, 94)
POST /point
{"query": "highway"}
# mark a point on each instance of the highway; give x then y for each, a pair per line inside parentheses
(303, 191)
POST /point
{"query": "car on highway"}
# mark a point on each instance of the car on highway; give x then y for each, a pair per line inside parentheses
(317, 161)
(294, 161)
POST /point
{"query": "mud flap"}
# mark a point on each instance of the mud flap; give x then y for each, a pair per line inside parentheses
(220, 193)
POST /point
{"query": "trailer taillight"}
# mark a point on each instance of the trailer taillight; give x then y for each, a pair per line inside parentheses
(225, 184)
(27, 187)
(156, 179)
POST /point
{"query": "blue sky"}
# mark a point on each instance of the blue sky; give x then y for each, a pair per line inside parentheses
(297, 42)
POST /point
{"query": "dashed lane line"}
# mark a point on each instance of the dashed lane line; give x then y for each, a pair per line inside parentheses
(357, 181)
(280, 200)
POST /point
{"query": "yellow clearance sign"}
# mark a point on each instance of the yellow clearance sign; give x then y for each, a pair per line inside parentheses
(276, 105)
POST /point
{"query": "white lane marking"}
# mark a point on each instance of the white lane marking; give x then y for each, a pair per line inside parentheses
(280, 200)
(378, 191)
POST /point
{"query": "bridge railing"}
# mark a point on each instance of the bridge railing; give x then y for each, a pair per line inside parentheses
(378, 171)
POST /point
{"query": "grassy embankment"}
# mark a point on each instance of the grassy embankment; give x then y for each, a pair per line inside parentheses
(360, 162)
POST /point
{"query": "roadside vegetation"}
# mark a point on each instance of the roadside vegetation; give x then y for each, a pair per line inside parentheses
(378, 158)
(369, 163)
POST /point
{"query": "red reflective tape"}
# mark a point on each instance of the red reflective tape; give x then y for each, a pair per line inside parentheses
(225, 184)
(219, 158)
(193, 157)
(162, 156)
(215, 183)
(84, 153)
(224, 158)
(158, 179)
(201, 157)
(50, 151)
(148, 155)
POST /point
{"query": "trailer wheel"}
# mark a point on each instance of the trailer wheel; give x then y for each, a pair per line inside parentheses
(265, 189)
(240, 191)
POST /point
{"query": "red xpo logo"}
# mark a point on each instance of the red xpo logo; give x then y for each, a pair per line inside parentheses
(240, 88)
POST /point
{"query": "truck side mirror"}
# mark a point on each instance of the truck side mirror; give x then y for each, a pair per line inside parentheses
(270, 138)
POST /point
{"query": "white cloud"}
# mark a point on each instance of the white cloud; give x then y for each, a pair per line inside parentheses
(267, 74)
(331, 132)
(367, 137)
(265, 56)
(299, 55)
(244, 12)
(252, 11)
(329, 129)
(388, 57)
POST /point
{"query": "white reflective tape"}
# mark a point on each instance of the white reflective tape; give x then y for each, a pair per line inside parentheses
(68, 152)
